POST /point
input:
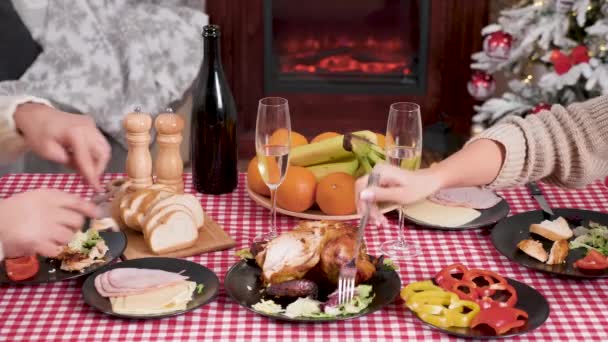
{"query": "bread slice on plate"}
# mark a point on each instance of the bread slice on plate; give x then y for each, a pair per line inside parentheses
(129, 214)
(174, 231)
(187, 200)
(558, 253)
(154, 218)
(147, 203)
(555, 230)
(534, 249)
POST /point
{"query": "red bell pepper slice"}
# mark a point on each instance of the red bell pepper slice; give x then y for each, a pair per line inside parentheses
(445, 278)
(466, 290)
(491, 278)
(500, 319)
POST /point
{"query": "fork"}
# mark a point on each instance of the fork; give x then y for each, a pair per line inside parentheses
(348, 271)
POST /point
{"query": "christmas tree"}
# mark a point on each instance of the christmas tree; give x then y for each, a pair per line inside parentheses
(551, 51)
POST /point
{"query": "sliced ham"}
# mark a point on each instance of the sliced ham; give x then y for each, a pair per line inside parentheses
(130, 281)
(468, 197)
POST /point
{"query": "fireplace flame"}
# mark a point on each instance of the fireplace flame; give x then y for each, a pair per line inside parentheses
(344, 55)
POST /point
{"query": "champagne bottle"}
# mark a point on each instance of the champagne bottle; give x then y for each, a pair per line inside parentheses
(213, 140)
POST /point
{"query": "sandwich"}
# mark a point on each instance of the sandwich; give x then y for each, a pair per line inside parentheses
(84, 250)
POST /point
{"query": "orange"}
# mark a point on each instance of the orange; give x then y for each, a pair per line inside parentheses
(324, 136)
(336, 194)
(255, 180)
(381, 140)
(279, 137)
(297, 192)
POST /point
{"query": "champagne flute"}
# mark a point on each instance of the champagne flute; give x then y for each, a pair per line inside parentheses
(272, 145)
(403, 149)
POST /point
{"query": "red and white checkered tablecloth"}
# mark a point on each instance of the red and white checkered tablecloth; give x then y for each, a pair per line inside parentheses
(58, 312)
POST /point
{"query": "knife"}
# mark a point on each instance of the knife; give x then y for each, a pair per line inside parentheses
(539, 197)
(371, 181)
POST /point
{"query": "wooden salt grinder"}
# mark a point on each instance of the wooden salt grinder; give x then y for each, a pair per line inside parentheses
(169, 166)
(139, 161)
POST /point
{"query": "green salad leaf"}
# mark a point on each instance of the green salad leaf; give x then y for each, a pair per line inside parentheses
(593, 237)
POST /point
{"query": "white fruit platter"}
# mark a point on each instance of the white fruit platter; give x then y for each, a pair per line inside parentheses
(313, 213)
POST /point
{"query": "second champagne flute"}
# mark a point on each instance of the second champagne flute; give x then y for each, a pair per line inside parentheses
(272, 144)
(403, 149)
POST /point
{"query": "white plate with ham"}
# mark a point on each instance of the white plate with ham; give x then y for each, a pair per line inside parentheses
(150, 288)
(458, 209)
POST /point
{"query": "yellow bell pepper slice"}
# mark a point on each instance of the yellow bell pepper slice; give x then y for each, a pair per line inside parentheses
(438, 307)
(419, 286)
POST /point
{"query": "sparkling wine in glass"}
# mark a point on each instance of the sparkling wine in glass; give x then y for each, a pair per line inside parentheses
(404, 150)
(272, 144)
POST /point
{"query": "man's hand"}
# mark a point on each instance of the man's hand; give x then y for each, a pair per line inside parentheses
(69, 139)
(41, 221)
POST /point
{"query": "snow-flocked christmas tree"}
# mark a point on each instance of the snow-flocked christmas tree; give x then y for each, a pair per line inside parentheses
(552, 52)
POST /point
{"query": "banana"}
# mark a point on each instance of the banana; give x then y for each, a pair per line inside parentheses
(374, 158)
(349, 166)
(360, 171)
(412, 163)
(366, 165)
(332, 149)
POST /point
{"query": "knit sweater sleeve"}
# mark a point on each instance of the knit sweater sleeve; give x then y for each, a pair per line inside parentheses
(566, 146)
(12, 144)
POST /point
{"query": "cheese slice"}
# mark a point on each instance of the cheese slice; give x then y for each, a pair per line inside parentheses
(155, 302)
(440, 215)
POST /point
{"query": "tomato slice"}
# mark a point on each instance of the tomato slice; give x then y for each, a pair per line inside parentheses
(594, 260)
(22, 268)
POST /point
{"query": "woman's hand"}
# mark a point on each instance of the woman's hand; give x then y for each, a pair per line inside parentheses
(69, 139)
(395, 186)
(41, 221)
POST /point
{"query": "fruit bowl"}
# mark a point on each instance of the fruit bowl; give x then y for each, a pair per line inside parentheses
(313, 213)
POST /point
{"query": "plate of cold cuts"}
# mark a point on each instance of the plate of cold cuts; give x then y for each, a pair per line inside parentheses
(458, 209)
(150, 288)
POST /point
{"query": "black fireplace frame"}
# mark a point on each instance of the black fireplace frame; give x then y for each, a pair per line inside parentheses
(274, 82)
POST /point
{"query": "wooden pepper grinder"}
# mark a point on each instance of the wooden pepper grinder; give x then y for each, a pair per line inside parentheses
(139, 161)
(169, 166)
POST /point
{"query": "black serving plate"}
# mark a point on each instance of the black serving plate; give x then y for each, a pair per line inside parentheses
(196, 272)
(528, 300)
(50, 269)
(510, 231)
(243, 283)
(488, 218)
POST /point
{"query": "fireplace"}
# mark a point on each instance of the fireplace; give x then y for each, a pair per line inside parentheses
(341, 63)
(348, 47)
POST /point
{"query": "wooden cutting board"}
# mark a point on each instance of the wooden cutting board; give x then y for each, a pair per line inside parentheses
(211, 238)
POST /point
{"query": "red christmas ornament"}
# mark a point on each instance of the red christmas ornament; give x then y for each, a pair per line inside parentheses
(540, 107)
(579, 54)
(481, 85)
(561, 62)
(498, 45)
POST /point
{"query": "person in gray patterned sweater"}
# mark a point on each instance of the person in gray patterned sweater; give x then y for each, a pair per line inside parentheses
(69, 71)
(101, 59)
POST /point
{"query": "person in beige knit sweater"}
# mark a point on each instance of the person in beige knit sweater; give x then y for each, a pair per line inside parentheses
(566, 146)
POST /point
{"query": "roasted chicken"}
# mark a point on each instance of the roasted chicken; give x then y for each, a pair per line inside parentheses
(313, 251)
